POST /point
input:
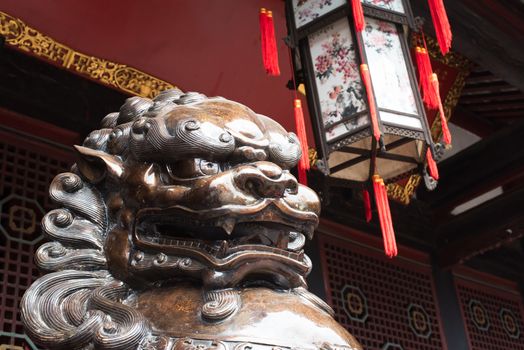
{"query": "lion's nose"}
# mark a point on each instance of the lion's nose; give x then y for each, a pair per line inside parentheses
(265, 179)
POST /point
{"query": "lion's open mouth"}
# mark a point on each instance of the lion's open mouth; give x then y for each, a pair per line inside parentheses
(221, 237)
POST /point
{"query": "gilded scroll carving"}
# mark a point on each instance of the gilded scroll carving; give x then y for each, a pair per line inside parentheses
(116, 75)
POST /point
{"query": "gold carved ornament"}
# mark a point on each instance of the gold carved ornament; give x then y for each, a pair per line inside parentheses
(127, 79)
(463, 66)
(10, 347)
(404, 193)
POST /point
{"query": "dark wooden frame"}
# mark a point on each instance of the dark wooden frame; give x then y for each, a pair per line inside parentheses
(344, 11)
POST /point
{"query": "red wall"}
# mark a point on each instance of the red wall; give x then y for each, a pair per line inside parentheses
(210, 46)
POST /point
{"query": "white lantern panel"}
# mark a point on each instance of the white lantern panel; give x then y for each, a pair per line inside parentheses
(387, 65)
(401, 120)
(392, 5)
(306, 11)
(337, 78)
(347, 127)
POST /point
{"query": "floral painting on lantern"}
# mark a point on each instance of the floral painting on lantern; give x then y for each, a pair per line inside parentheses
(306, 11)
(393, 5)
(387, 65)
(337, 78)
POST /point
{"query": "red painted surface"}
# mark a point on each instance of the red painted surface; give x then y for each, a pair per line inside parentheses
(209, 46)
(446, 76)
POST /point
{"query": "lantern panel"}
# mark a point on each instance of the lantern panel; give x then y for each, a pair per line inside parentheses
(387, 65)
(393, 118)
(392, 5)
(403, 157)
(408, 156)
(360, 162)
(305, 11)
(338, 85)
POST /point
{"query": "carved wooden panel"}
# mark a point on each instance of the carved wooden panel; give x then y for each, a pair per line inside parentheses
(27, 167)
(385, 304)
(493, 314)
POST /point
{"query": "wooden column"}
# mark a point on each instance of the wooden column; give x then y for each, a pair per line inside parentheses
(449, 306)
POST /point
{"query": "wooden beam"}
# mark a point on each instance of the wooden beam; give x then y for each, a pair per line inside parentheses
(506, 115)
(481, 39)
(471, 122)
(505, 15)
(479, 70)
(503, 262)
(488, 163)
(412, 223)
(481, 229)
(512, 96)
(488, 89)
(482, 79)
(512, 106)
(464, 250)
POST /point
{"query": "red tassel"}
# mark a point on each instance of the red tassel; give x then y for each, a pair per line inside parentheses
(391, 250)
(384, 214)
(446, 135)
(366, 79)
(273, 51)
(432, 165)
(358, 15)
(367, 205)
(441, 25)
(424, 72)
(269, 43)
(262, 17)
(303, 164)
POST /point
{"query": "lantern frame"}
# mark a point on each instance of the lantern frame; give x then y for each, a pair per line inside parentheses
(304, 70)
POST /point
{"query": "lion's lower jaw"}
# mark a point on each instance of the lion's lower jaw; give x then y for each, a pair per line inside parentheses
(236, 270)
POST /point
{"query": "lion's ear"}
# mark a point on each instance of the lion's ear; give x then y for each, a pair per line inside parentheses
(96, 165)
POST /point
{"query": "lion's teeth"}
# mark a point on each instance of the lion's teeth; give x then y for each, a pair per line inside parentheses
(228, 225)
(309, 230)
(296, 241)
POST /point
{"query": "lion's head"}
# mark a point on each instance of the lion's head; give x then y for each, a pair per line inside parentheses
(179, 190)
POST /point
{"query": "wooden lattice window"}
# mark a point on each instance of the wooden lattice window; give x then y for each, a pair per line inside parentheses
(385, 304)
(493, 312)
(27, 167)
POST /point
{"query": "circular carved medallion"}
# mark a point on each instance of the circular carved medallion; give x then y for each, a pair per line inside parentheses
(479, 315)
(419, 321)
(355, 303)
(510, 323)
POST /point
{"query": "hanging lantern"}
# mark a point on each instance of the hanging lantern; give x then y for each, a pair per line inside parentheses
(362, 90)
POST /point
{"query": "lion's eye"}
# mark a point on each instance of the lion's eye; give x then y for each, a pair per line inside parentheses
(192, 168)
(208, 168)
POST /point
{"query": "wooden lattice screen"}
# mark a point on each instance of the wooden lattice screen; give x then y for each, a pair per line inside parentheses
(385, 304)
(27, 166)
(493, 313)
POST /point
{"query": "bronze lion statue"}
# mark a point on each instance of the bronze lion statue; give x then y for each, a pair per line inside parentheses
(180, 227)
